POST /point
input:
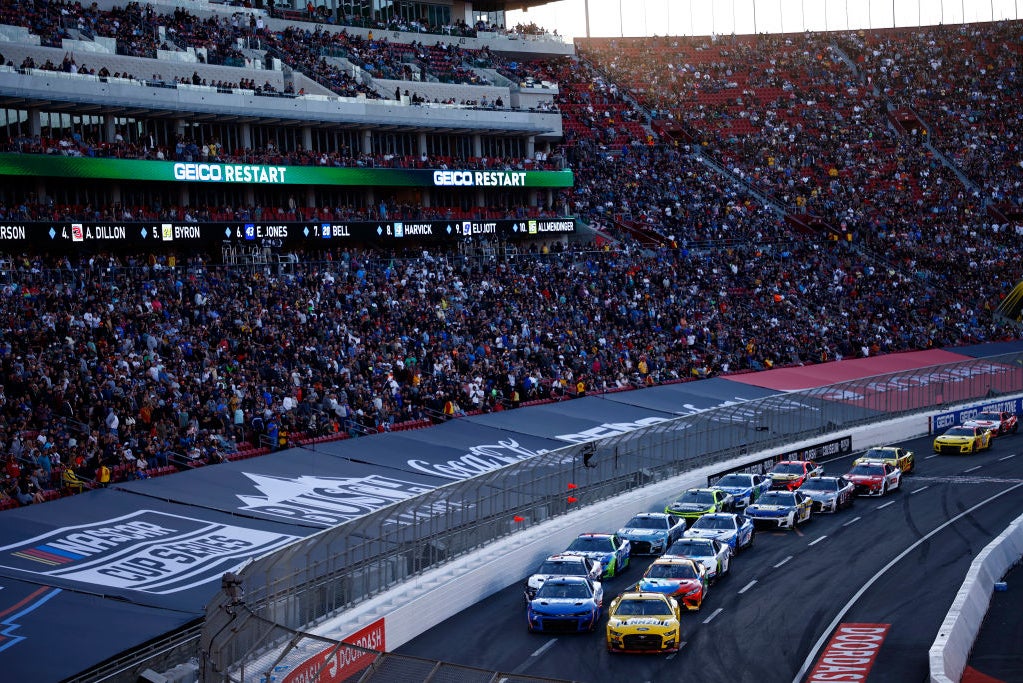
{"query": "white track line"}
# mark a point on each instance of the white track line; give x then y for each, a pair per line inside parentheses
(1007, 457)
(808, 662)
(972, 469)
(882, 507)
(543, 648)
(783, 562)
(748, 586)
(852, 521)
(817, 540)
(931, 456)
(713, 614)
(922, 488)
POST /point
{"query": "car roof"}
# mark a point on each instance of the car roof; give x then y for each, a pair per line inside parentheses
(554, 581)
(651, 514)
(673, 560)
(712, 515)
(595, 534)
(643, 595)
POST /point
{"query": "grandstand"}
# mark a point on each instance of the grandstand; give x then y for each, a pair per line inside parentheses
(229, 231)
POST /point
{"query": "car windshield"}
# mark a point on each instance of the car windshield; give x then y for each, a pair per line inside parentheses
(571, 591)
(651, 608)
(645, 522)
(691, 547)
(671, 570)
(788, 468)
(734, 481)
(820, 484)
(960, 431)
(867, 470)
(561, 568)
(714, 523)
(590, 544)
(777, 498)
(694, 496)
(878, 454)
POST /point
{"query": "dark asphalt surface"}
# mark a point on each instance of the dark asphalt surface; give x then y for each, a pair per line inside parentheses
(998, 652)
(767, 619)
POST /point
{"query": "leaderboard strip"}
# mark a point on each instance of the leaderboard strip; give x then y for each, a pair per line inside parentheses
(148, 235)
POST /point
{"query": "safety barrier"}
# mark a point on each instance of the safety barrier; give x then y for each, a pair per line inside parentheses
(951, 649)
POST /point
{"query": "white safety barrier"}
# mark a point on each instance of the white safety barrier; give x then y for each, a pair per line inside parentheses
(951, 649)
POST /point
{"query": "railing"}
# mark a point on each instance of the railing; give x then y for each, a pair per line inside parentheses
(321, 576)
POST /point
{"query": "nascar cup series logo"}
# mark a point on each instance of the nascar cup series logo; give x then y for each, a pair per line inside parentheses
(147, 551)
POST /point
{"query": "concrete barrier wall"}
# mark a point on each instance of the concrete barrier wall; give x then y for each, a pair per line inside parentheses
(951, 649)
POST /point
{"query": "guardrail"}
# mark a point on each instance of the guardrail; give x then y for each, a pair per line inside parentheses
(320, 576)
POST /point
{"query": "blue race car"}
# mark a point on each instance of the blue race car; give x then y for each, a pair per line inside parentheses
(743, 487)
(650, 533)
(735, 531)
(610, 550)
(566, 604)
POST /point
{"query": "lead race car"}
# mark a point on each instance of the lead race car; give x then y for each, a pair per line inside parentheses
(644, 622)
(996, 422)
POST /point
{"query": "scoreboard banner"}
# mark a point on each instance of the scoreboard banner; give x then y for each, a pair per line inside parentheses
(262, 174)
(58, 236)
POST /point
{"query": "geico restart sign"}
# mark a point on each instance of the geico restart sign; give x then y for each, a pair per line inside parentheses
(479, 178)
(149, 551)
(230, 173)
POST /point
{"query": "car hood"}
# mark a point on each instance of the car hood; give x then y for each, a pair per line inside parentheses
(710, 533)
(668, 585)
(629, 622)
(768, 509)
(954, 439)
(642, 533)
(690, 507)
(561, 605)
(864, 478)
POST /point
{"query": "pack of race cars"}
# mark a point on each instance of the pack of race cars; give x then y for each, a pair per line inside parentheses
(696, 537)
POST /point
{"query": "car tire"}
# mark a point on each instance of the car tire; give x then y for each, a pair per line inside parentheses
(884, 490)
(795, 520)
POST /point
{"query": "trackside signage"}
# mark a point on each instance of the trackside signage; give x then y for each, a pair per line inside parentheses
(339, 663)
(850, 653)
(818, 451)
(942, 421)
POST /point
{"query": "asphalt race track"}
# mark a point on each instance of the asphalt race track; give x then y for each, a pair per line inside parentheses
(897, 561)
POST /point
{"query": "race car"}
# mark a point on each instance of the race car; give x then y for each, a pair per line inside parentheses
(644, 622)
(893, 455)
(996, 422)
(781, 510)
(829, 494)
(610, 550)
(743, 488)
(677, 577)
(566, 603)
(715, 556)
(963, 439)
(874, 478)
(694, 503)
(790, 474)
(734, 530)
(561, 565)
(650, 533)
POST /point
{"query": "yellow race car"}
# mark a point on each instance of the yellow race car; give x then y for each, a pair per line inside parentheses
(962, 439)
(644, 622)
(891, 455)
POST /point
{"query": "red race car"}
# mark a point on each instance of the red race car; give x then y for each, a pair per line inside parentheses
(790, 474)
(875, 478)
(996, 422)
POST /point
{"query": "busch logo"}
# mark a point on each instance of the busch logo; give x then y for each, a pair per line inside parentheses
(326, 501)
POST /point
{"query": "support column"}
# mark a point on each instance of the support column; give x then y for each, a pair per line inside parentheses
(245, 136)
(35, 123)
(422, 144)
(530, 146)
(307, 137)
(477, 145)
(109, 129)
(367, 141)
(425, 199)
